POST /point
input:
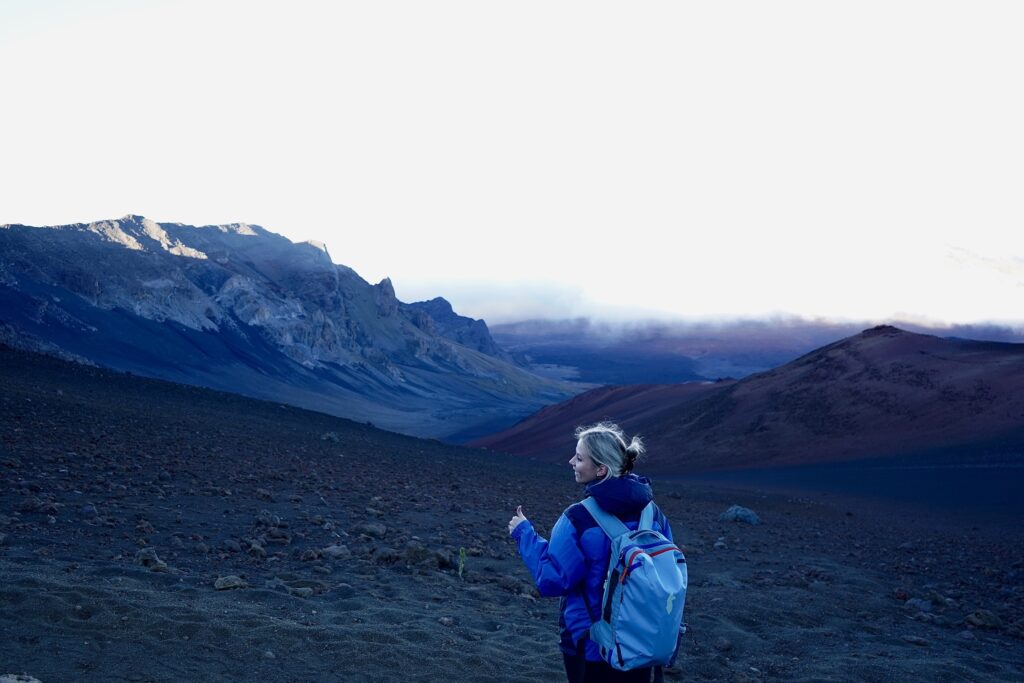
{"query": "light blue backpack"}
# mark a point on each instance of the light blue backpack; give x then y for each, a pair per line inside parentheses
(642, 607)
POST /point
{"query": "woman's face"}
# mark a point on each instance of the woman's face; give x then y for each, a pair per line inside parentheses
(583, 465)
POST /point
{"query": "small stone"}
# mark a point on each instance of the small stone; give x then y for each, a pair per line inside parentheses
(386, 555)
(264, 494)
(336, 552)
(202, 548)
(279, 536)
(372, 529)
(446, 621)
(982, 618)
(230, 582)
(301, 592)
(269, 654)
(916, 640)
(310, 555)
(918, 604)
(147, 557)
(3, 538)
(966, 635)
(232, 545)
(88, 511)
(722, 644)
(738, 513)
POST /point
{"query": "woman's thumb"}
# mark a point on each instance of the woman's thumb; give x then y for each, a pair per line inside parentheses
(519, 510)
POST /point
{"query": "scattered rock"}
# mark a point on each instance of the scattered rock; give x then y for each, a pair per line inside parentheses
(301, 591)
(446, 621)
(722, 644)
(417, 553)
(88, 511)
(738, 513)
(230, 582)
(3, 537)
(385, 555)
(147, 557)
(18, 678)
(916, 640)
(275, 535)
(309, 555)
(232, 545)
(918, 604)
(720, 544)
(445, 559)
(269, 654)
(264, 494)
(330, 436)
(336, 552)
(966, 635)
(372, 529)
(982, 618)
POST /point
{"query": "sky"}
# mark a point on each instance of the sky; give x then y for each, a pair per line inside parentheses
(692, 161)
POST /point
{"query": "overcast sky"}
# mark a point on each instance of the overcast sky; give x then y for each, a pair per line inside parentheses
(847, 160)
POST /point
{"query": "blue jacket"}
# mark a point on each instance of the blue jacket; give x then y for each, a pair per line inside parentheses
(574, 563)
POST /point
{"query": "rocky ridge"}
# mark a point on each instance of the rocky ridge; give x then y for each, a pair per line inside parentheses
(239, 308)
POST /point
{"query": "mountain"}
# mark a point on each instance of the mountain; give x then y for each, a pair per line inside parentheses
(474, 334)
(239, 308)
(660, 351)
(883, 392)
(646, 352)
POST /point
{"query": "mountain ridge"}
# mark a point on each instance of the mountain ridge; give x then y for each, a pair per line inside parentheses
(239, 308)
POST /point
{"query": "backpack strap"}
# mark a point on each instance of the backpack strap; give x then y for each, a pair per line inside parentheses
(647, 516)
(610, 524)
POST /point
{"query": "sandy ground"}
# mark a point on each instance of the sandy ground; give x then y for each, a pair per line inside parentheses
(124, 501)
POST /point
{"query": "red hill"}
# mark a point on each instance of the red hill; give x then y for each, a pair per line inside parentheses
(878, 393)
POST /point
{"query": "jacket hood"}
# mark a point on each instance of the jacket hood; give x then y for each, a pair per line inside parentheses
(625, 495)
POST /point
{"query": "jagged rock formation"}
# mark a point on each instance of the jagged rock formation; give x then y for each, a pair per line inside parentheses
(239, 308)
(468, 332)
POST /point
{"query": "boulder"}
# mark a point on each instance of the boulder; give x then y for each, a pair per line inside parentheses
(738, 513)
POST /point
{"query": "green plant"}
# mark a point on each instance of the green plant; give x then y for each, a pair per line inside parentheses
(462, 561)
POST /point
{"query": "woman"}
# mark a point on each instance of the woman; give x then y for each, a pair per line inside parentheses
(573, 564)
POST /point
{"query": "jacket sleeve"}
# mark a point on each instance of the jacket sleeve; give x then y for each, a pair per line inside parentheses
(557, 566)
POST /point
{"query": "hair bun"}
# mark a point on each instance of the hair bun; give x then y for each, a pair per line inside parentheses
(631, 456)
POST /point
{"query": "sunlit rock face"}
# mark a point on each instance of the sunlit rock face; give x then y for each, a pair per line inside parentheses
(240, 308)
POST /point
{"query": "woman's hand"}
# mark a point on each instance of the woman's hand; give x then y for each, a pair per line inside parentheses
(517, 519)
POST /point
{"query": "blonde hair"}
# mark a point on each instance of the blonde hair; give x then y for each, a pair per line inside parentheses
(607, 445)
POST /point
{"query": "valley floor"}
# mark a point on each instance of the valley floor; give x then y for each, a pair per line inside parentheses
(123, 503)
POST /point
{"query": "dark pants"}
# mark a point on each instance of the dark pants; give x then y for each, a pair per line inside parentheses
(579, 670)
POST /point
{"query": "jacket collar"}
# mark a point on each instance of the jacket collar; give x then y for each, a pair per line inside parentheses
(624, 495)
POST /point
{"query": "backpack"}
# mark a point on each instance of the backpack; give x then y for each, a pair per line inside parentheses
(642, 605)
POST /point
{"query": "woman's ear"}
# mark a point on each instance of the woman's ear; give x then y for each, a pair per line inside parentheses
(602, 470)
